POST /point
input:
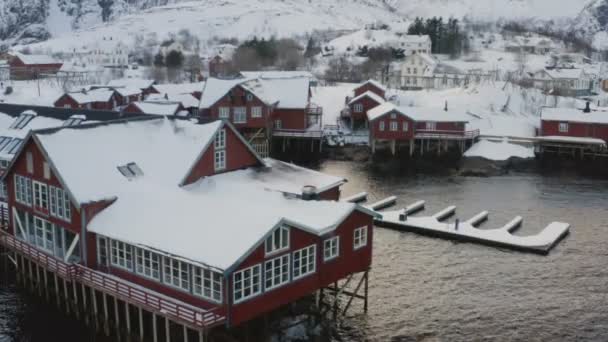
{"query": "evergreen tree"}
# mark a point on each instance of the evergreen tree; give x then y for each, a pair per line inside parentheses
(174, 59)
(159, 60)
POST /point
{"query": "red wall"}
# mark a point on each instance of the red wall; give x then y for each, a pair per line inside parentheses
(66, 99)
(291, 118)
(20, 70)
(238, 99)
(332, 194)
(369, 87)
(456, 127)
(238, 156)
(367, 105)
(349, 261)
(575, 129)
(387, 133)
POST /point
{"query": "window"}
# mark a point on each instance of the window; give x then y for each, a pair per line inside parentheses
(224, 113)
(13, 146)
(393, 116)
(247, 283)
(278, 124)
(60, 204)
(240, 115)
(3, 142)
(22, 121)
(44, 234)
(74, 120)
(121, 255)
(208, 284)
(130, 170)
(249, 97)
(304, 261)
(102, 250)
(431, 126)
(29, 159)
(3, 191)
(358, 107)
(220, 139)
(147, 263)
(331, 248)
(405, 126)
(563, 127)
(177, 273)
(46, 170)
(220, 160)
(278, 240)
(360, 237)
(277, 271)
(41, 196)
(394, 126)
(381, 125)
(256, 112)
(23, 190)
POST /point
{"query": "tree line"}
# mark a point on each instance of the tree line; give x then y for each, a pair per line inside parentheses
(446, 37)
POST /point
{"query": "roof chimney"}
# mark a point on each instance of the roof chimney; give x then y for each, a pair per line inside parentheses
(446, 106)
(309, 193)
(587, 108)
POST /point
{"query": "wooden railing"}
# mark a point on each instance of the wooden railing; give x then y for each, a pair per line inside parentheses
(313, 109)
(297, 133)
(176, 310)
(454, 135)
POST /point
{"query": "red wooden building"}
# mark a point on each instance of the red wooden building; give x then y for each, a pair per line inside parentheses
(150, 204)
(144, 85)
(414, 126)
(373, 86)
(171, 89)
(99, 99)
(155, 107)
(358, 107)
(28, 67)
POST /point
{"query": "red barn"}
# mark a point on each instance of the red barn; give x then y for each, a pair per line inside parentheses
(157, 216)
(28, 67)
(99, 99)
(373, 86)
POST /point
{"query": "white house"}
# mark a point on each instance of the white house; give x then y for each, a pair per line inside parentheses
(416, 44)
(107, 52)
(565, 82)
(423, 71)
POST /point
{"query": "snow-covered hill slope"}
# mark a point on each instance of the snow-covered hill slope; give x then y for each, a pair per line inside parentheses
(592, 23)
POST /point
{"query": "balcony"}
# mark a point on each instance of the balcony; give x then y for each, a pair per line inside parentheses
(447, 135)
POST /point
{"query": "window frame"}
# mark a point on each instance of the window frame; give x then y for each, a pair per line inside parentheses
(169, 276)
(202, 276)
(563, 127)
(381, 126)
(394, 126)
(358, 108)
(126, 261)
(145, 264)
(219, 160)
(38, 197)
(23, 190)
(220, 139)
(328, 244)
(279, 263)
(282, 231)
(223, 112)
(251, 283)
(360, 238)
(239, 115)
(307, 254)
(256, 112)
(405, 126)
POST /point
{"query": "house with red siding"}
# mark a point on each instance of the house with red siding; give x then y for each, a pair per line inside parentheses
(373, 86)
(162, 107)
(98, 99)
(415, 125)
(358, 107)
(144, 85)
(185, 212)
(195, 89)
(28, 67)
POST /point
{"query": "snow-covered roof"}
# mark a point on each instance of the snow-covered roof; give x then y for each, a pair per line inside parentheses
(127, 91)
(181, 88)
(420, 114)
(90, 96)
(565, 73)
(6, 132)
(574, 115)
(187, 100)
(415, 38)
(374, 83)
(277, 74)
(575, 140)
(291, 92)
(36, 59)
(291, 178)
(158, 107)
(375, 97)
(132, 83)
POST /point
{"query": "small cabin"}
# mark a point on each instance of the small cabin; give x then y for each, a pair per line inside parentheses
(574, 123)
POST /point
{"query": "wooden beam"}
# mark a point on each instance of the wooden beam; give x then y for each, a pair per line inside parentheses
(68, 254)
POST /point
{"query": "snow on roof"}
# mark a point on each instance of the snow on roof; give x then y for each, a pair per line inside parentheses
(288, 92)
(132, 83)
(565, 73)
(181, 88)
(565, 139)
(38, 122)
(374, 83)
(203, 225)
(574, 115)
(94, 95)
(277, 74)
(127, 91)
(420, 114)
(369, 94)
(158, 107)
(290, 178)
(36, 59)
(102, 148)
(187, 100)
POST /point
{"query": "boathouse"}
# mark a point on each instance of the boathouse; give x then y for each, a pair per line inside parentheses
(96, 99)
(29, 67)
(420, 129)
(100, 223)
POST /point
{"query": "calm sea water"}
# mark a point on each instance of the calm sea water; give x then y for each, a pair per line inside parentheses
(424, 289)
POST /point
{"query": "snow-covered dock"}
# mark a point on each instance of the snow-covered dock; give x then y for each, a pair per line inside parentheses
(540, 243)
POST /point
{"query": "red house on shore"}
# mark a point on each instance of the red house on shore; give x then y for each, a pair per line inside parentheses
(107, 215)
(367, 96)
(99, 99)
(28, 67)
(414, 125)
(163, 108)
(371, 86)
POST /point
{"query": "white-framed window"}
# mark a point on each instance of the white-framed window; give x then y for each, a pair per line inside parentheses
(358, 108)
(224, 113)
(431, 126)
(256, 112)
(41, 195)
(277, 241)
(46, 170)
(121, 255)
(102, 251)
(247, 283)
(394, 126)
(240, 115)
(177, 273)
(278, 124)
(220, 160)
(29, 161)
(3, 191)
(393, 116)
(360, 237)
(220, 139)
(563, 127)
(147, 263)
(45, 234)
(331, 248)
(60, 204)
(23, 190)
(381, 126)
(249, 97)
(304, 261)
(276, 272)
(207, 284)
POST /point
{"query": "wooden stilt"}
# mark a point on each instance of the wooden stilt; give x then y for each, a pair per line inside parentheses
(46, 285)
(66, 296)
(201, 336)
(393, 146)
(154, 328)
(185, 333)
(56, 289)
(76, 311)
(94, 301)
(106, 316)
(116, 317)
(38, 282)
(167, 330)
(128, 319)
(365, 289)
(141, 324)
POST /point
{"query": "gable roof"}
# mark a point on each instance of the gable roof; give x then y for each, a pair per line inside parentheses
(179, 88)
(382, 110)
(36, 59)
(574, 115)
(132, 83)
(95, 95)
(373, 96)
(374, 83)
(565, 73)
(158, 107)
(186, 100)
(418, 114)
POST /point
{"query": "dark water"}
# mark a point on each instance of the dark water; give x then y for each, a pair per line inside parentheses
(424, 289)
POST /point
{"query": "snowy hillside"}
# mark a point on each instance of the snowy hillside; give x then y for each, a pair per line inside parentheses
(592, 23)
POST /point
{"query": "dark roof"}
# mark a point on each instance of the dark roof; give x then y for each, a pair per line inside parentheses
(15, 110)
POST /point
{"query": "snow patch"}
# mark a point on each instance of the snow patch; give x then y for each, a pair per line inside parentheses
(499, 151)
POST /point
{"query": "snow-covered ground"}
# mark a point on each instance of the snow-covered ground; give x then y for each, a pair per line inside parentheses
(43, 93)
(499, 151)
